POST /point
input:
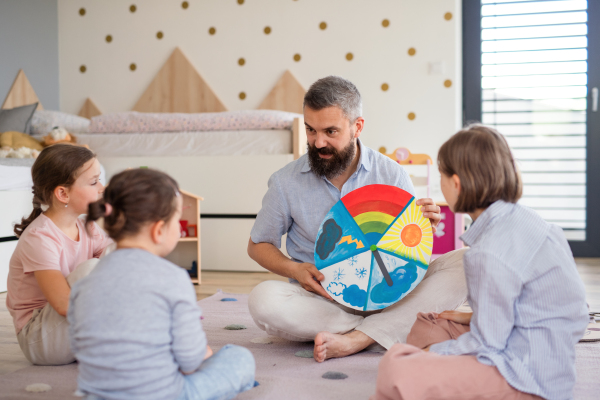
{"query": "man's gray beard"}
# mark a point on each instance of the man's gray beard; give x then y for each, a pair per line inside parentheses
(334, 166)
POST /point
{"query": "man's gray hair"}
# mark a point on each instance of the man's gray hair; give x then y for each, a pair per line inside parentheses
(335, 91)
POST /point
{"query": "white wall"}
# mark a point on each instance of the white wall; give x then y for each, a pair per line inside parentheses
(380, 55)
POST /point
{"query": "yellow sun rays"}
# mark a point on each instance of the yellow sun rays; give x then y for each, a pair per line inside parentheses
(392, 240)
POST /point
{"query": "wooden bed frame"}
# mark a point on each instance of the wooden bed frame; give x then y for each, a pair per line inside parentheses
(231, 216)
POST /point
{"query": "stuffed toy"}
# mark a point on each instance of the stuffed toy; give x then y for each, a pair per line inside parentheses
(15, 140)
(59, 135)
(18, 145)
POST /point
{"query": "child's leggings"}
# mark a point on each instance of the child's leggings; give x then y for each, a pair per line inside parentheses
(408, 373)
(222, 376)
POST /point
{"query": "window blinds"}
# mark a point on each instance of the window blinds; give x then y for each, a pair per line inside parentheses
(534, 88)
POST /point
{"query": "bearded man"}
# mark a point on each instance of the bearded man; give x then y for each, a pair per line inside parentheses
(299, 197)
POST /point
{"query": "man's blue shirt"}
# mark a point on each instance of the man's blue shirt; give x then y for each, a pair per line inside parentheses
(297, 200)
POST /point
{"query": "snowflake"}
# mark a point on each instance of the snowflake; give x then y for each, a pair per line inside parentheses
(360, 273)
(338, 275)
(352, 261)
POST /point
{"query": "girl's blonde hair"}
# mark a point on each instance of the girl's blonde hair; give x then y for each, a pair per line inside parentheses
(482, 159)
(57, 165)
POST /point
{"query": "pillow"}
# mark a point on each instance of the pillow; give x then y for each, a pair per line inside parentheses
(134, 122)
(17, 119)
(43, 121)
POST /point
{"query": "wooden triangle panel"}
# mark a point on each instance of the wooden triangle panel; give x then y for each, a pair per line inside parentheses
(89, 109)
(287, 95)
(21, 93)
(178, 87)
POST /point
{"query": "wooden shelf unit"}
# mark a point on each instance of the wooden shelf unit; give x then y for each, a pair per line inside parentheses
(189, 249)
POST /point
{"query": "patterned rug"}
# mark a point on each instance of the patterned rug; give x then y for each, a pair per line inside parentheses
(280, 373)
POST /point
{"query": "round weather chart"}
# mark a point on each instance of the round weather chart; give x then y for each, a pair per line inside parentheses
(373, 247)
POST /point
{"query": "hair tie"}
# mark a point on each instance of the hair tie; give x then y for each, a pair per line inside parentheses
(108, 209)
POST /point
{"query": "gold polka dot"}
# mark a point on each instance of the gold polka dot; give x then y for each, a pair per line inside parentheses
(385, 87)
(323, 25)
(108, 38)
(242, 95)
(297, 57)
(82, 11)
(240, 2)
(212, 30)
(385, 23)
(82, 69)
(132, 66)
(411, 116)
(267, 30)
(159, 35)
(448, 16)
(349, 56)
(412, 51)
(132, 8)
(241, 61)
(185, 5)
(447, 83)
(382, 150)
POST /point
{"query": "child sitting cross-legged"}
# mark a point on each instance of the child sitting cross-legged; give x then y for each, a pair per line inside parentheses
(134, 322)
(528, 301)
(54, 251)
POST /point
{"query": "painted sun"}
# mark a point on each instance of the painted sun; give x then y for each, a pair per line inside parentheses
(410, 236)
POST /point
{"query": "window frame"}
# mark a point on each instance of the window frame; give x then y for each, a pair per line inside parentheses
(472, 112)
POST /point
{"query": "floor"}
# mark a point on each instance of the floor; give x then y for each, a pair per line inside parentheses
(11, 358)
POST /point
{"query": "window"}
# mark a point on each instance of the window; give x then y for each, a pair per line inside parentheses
(527, 73)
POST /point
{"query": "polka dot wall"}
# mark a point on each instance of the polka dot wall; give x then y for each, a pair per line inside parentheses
(110, 51)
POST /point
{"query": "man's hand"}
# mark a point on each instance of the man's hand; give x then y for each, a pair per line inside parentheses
(459, 317)
(431, 211)
(305, 274)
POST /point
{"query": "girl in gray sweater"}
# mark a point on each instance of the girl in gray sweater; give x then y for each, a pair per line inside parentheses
(134, 322)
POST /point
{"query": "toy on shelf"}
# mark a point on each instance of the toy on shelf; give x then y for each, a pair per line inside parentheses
(187, 252)
(192, 230)
(183, 228)
(404, 157)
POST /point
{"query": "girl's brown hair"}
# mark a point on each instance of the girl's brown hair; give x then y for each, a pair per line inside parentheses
(482, 159)
(57, 165)
(136, 197)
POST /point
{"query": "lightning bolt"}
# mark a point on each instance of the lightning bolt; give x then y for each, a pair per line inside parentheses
(348, 239)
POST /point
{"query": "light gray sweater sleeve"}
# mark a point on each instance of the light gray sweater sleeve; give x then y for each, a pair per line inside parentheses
(189, 340)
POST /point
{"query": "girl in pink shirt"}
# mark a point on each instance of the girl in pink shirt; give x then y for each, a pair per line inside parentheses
(52, 244)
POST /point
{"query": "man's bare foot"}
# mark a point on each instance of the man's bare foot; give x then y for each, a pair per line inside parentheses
(331, 345)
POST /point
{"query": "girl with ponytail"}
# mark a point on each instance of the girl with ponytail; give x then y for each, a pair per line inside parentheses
(53, 242)
(134, 322)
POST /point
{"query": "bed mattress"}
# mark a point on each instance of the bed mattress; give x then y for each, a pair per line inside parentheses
(15, 174)
(213, 143)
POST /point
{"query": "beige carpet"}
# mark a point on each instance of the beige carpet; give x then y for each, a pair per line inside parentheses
(281, 375)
